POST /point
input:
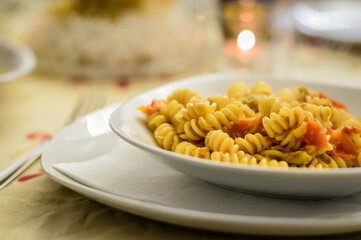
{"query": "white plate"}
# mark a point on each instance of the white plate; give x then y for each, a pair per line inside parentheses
(91, 137)
(130, 124)
(334, 20)
(16, 61)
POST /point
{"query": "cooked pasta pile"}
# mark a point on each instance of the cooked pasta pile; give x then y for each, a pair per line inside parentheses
(293, 128)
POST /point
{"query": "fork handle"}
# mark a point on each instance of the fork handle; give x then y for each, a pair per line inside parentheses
(21, 164)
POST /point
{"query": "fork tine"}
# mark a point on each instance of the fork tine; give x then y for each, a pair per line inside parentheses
(102, 101)
(87, 103)
(76, 109)
(95, 102)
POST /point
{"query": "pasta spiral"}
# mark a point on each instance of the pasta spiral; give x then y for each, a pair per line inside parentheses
(166, 136)
(336, 162)
(318, 101)
(235, 111)
(155, 120)
(196, 129)
(289, 140)
(220, 100)
(292, 96)
(252, 143)
(287, 95)
(287, 118)
(190, 149)
(199, 108)
(243, 158)
(182, 95)
(342, 118)
(321, 113)
(237, 90)
(239, 157)
(219, 141)
(170, 109)
(261, 88)
(268, 105)
(273, 163)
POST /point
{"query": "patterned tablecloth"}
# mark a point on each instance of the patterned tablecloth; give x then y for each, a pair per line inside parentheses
(34, 107)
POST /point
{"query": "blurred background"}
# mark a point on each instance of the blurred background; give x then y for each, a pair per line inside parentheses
(113, 38)
(51, 51)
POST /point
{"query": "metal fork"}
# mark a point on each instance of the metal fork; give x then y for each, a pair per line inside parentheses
(85, 104)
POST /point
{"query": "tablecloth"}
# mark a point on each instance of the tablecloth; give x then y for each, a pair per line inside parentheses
(35, 207)
(36, 106)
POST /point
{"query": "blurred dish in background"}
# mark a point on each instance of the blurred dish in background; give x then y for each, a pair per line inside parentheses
(333, 20)
(15, 61)
(119, 37)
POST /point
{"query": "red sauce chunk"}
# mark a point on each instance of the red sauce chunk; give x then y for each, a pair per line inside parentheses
(314, 135)
(343, 147)
(247, 124)
(334, 103)
(349, 130)
(150, 109)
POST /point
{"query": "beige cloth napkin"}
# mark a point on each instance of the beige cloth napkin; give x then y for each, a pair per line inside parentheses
(131, 173)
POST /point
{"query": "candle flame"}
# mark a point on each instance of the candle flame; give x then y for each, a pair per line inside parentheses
(246, 40)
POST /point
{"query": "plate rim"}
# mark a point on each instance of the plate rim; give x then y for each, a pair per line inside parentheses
(27, 61)
(239, 223)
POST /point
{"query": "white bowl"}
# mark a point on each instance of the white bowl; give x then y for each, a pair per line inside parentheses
(17, 61)
(130, 124)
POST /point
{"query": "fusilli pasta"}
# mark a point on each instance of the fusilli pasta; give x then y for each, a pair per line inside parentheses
(252, 126)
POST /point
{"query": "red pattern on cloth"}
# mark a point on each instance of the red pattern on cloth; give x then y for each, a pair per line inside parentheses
(79, 79)
(39, 136)
(123, 82)
(31, 176)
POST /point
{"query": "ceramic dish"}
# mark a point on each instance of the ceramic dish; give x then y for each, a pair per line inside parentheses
(130, 125)
(90, 137)
(331, 20)
(15, 61)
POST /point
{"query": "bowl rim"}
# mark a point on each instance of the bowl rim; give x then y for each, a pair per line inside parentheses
(26, 65)
(229, 166)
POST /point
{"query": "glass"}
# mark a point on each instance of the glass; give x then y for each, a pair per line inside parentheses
(247, 35)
